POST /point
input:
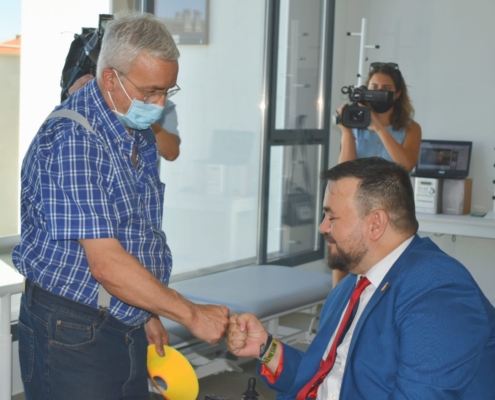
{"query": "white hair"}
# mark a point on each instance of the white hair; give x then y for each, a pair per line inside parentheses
(130, 35)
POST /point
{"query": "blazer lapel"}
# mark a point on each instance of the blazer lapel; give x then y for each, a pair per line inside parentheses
(382, 291)
(329, 322)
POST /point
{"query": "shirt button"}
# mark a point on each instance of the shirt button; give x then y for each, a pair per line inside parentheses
(333, 397)
(128, 137)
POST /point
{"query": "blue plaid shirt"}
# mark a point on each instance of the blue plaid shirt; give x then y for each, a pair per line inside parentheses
(78, 185)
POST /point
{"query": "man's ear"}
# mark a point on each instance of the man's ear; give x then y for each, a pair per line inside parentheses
(109, 79)
(377, 223)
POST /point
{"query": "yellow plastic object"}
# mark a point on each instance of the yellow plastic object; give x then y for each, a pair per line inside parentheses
(172, 375)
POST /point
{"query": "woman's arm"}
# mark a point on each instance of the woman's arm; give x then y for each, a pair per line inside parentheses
(348, 142)
(348, 145)
(406, 154)
(167, 132)
(168, 143)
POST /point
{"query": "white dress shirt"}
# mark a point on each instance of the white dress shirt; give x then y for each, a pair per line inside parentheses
(330, 387)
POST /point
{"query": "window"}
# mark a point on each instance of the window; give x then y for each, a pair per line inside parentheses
(211, 199)
(252, 120)
(299, 131)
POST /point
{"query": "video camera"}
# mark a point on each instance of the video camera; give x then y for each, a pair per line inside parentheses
(83, 54)
(356, 116)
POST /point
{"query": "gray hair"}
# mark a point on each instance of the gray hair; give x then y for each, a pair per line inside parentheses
(130, 35)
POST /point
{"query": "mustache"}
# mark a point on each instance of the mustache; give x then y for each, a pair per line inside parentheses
(329, 238)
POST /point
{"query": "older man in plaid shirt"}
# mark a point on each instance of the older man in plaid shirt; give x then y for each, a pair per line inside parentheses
(91, 206)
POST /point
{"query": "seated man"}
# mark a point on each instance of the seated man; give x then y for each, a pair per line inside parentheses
(410, 322)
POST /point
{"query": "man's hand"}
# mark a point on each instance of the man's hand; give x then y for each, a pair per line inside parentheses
(156, 334)
(245, 335)
(209, 322)
(80, 83)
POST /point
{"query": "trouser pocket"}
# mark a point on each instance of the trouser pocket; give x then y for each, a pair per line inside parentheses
(70, 331)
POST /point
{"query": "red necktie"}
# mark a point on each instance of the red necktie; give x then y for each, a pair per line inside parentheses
(310, 390)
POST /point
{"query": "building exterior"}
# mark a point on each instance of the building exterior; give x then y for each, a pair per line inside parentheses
(10, 54)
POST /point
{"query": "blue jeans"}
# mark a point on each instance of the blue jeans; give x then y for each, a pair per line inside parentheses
(70, 351)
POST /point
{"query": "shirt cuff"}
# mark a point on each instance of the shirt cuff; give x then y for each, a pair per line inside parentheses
(266, 373)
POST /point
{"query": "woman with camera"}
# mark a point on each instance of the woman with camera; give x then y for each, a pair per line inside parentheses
(392, 133)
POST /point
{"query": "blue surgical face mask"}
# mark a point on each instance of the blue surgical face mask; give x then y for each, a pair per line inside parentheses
(139, 115)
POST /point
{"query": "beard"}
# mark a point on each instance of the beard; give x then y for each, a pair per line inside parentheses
(345, 261)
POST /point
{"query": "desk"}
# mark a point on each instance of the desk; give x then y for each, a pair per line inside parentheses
(10, 283)
(462, 225)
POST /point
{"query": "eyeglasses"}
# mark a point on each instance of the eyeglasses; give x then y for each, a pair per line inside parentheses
(376, 65)
(154, 97)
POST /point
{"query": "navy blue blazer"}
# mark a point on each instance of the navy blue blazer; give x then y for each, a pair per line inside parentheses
(428, 334)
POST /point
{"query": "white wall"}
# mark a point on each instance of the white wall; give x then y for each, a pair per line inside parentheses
(445, 51)
(48, 29)
(211, 205)
(9, 110)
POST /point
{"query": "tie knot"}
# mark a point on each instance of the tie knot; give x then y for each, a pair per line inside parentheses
(362, 284)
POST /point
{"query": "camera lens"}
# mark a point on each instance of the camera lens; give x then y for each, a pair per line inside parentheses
(356, 95)
(357, 116)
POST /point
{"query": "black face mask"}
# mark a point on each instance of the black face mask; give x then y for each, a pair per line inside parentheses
(381, 107)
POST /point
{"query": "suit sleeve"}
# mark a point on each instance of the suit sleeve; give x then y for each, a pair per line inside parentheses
(443, 327)
(291, 359)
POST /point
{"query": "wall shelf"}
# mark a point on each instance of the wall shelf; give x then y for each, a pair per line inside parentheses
(462, 225)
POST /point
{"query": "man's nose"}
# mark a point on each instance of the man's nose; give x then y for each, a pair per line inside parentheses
(324, 226)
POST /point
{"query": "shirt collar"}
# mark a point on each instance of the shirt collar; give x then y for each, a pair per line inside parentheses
(381, 268)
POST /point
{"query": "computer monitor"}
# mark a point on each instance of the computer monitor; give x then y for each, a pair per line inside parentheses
(446, 159)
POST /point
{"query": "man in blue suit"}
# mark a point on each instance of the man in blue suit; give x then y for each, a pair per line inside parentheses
(409, 322)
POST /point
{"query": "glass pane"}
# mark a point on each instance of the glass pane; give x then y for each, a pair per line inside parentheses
(211, 199)
(299, 74)
(10, 58)
(294, 197)
(187, 21)
(126, 5)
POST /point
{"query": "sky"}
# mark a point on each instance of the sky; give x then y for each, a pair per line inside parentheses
(10, 19)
